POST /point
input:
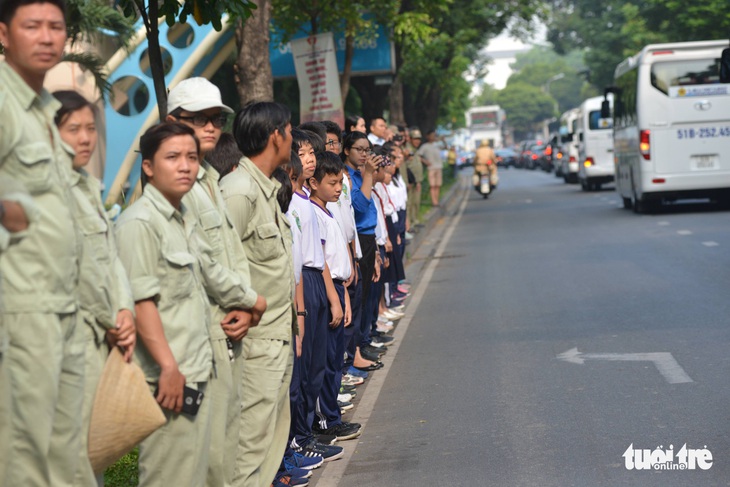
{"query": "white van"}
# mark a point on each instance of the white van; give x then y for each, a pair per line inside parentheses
(595, 147)
(569, 139)
(672, 117)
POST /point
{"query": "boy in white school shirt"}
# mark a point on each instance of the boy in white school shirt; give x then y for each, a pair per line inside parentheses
(326, 187)
(321, 302)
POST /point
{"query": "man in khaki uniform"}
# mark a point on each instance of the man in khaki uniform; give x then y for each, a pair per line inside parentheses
(263, 133)
(162, 255)
(17, 211)
(415, 166)
(105, 299)
(45, 356)
(485, 162)
(197, 103)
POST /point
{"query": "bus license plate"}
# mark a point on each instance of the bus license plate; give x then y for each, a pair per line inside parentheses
(705, 162)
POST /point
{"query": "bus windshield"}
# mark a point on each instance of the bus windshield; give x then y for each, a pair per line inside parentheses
(665, 75)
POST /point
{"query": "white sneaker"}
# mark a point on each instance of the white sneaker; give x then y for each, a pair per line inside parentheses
(382, 320)
(398, 308)
(344, 397)
(383, 329)
(393, 315)
(351, 380)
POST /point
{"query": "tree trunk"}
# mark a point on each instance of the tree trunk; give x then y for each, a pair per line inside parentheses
(395, 95)
(152, 25)
(347, 70)
(427, 108)
(253, 67)
(374, 98)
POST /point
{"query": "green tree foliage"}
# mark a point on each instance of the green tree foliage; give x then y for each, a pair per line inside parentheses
(203, 11)
(541, 63)
(611, 30)
(432, 66)
(525, 105)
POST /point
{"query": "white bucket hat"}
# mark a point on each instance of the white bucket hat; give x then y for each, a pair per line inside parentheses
(195, 95)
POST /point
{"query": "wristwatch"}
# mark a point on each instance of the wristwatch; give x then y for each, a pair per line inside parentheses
(302, 313)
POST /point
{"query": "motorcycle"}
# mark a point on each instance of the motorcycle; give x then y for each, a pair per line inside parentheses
(484, 183)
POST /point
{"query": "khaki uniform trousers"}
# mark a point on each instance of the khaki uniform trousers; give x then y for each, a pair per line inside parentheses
(266, 415)
(224, 393)
(177, 453)
(95, 355)
(5, 404)
(414, 203)
(45, 363)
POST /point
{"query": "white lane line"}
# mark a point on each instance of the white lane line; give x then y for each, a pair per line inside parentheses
(663, 224)
(334, 471)
(684, 232)
(710, 244)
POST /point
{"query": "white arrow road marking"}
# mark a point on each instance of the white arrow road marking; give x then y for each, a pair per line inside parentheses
(664, 362)
(684, 232)
(710, 244)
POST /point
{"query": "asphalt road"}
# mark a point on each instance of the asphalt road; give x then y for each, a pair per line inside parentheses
(475, 391)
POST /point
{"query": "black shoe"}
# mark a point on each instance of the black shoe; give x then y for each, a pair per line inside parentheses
(369, 356)
(327, 452)
(384, 339)
(344, 431)
(378, 351)
(369, 368)
(325, 439)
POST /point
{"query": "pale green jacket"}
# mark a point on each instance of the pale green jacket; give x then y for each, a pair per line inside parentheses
(40, 273)
(267, 240)
(205, 203)
(103, 285)
(158, 248)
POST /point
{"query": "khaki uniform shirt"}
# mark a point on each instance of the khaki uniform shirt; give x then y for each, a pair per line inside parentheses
(11, 190)
(40, 273)
(157, 246)
(484, 157)
(205, 203)
(267, 240)
(103, 286)
(414, 163)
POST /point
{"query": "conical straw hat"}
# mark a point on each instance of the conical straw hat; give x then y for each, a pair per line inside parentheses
(125, 412)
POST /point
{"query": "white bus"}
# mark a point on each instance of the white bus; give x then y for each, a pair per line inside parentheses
(485, 123)
(595, 146)
(672, 118)
(569, 139)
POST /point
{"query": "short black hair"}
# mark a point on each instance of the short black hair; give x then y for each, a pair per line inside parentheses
(9, 7)
(372, 120)
(284, 195)
(224, 158)
(332, 128)
(327, 163)
(299, 138)
(350, 140)
(255, 123)
(71, 101)
(153, 138)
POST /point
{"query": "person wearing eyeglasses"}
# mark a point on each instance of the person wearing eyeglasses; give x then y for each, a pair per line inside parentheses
(196, 102)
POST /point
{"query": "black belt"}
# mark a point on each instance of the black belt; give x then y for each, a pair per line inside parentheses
(312, 269)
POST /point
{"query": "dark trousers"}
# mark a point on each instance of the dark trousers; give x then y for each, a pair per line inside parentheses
(367, 267)
(328, 412)
(314, 354)
(355, 291)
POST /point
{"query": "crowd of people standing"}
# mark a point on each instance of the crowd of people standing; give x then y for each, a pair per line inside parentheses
(255, 280)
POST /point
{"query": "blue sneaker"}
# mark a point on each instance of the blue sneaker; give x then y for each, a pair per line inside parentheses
(300, 461)
(295, 471)
(357, 372)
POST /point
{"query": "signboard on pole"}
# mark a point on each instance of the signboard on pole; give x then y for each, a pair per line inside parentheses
(318, 79)
(374, 55)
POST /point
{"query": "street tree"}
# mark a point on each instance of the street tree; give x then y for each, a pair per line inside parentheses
(172, 11)
(525, 106)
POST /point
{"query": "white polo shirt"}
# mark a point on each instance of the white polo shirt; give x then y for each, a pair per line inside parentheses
(305, 220)
(335, 247)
